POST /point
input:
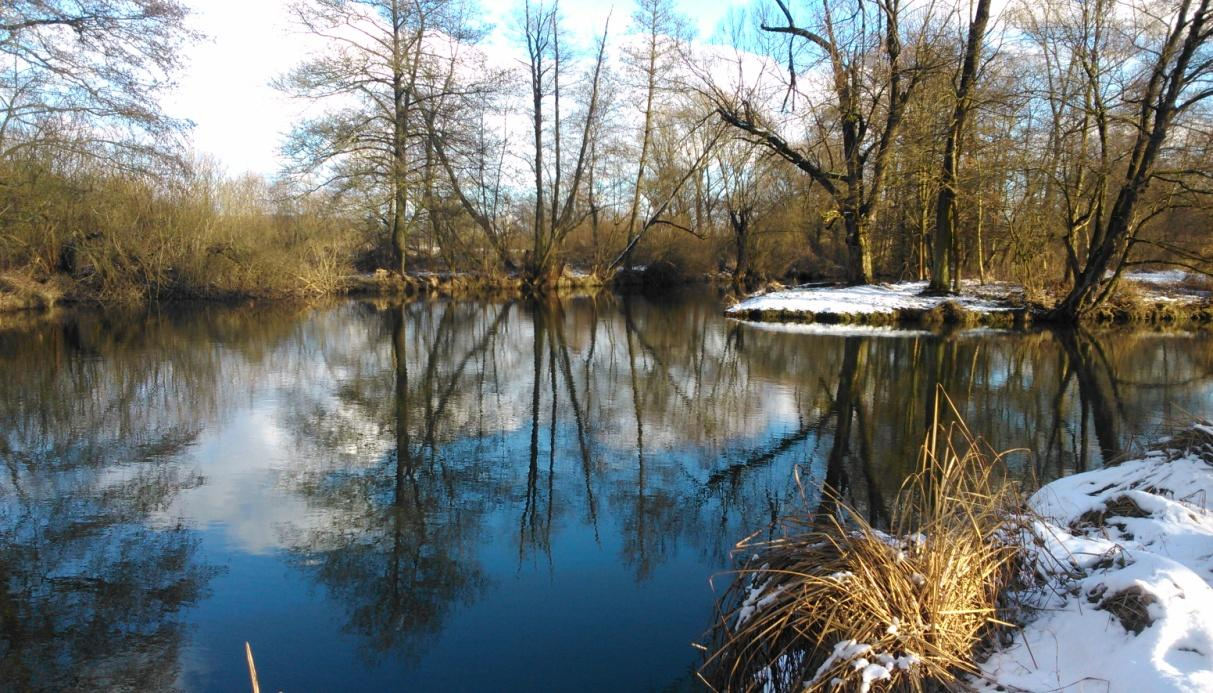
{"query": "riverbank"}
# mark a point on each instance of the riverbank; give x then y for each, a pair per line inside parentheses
(1110, 585)
(1164, 298)
(1120, 593)
(24, 292)
(1169, 300)
(20, 292)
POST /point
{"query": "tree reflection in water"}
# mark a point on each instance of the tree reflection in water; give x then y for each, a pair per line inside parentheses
(440, 457)
(554, 408)
(94, 422)
(395, 551)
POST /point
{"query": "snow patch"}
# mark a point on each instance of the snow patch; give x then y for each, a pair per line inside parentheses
(1139, 533)
(1170, 286)
(832, 330)
(1170, 277)
(873, 666)
(869, 299)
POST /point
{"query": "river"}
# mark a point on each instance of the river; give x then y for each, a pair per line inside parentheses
(476, 495)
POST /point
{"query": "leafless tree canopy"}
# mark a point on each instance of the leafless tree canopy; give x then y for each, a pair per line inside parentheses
(1052, 143)
(82, 74)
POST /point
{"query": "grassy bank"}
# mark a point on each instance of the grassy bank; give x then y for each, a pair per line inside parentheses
(21, 291)
(75, 228)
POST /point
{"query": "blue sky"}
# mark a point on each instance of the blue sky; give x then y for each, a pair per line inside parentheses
(239, 119)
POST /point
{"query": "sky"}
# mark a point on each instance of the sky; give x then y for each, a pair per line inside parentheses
(239, 119)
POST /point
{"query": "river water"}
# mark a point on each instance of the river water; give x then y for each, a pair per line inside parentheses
(475, 495)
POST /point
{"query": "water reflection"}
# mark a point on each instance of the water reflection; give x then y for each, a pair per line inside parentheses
(394, 549)
(96, 417)
(435, 477)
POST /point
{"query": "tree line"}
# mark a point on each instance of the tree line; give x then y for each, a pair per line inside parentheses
(1055, 144)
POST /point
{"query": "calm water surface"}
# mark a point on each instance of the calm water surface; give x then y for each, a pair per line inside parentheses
(460, 496)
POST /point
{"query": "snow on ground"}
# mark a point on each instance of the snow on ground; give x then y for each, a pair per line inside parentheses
(833, 329)
(1123, 549)
(1164, 286)
(1171, 285)
(1158, 277)
(869, 299)
(860, 330)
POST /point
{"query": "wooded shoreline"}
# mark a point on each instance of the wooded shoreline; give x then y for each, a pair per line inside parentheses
(800, 142)
(20, 293)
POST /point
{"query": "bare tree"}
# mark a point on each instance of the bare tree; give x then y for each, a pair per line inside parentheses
(556, 202)
(680, 180)
(388, 63)
(744, 179)
(661, 31)
(1171, 76)
(87, 75)
(943, 256)
(859, 45)
(556, 206)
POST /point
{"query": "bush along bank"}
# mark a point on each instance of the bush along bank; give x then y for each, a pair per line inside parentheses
(1098, 579)
(21, 291)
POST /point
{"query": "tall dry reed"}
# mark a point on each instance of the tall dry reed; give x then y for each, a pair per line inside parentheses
(836, 604)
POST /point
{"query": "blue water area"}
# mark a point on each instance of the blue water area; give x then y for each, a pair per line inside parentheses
(476, 495)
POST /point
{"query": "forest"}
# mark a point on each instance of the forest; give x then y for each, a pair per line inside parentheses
(1055, 144)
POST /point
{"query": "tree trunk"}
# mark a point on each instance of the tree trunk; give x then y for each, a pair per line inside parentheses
(650, 89)
(740, 221)
(944, 277)
(535, 28)
(981, 251)
(399, 191)
(859, 253)
(945, 227)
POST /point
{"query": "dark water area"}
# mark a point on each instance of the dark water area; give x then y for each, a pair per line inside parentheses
(459, 496)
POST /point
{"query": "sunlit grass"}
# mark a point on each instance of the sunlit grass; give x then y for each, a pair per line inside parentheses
(836, 604)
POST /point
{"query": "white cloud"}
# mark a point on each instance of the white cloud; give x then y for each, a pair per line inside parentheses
(240, 119)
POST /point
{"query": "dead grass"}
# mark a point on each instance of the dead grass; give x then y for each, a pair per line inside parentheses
(20, 291)
(1131, 607)
(1191, 440)
(1120, 506)
(1136, 303)
(836, 604)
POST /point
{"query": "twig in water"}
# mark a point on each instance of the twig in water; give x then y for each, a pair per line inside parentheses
(252, 668)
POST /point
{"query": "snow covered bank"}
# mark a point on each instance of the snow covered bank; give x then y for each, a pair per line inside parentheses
(884, 304)
(1124, 561)
(1171, 286)
(1163, 298)
(1109, 577)
(834, 329)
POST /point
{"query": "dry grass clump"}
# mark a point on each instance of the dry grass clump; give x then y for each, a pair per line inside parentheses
(20, 291)
(1192, 440)
(1121, 506)
(1130, 606)
(839, 605)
